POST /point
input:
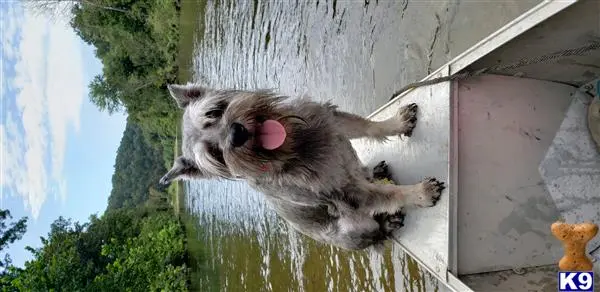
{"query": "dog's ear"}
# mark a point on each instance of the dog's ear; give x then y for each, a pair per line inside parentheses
(182, 169)
(185, 94)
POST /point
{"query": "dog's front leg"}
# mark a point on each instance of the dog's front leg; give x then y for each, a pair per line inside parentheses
(389, 198)
(354, 126)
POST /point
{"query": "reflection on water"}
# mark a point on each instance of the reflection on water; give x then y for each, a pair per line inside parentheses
(253, 250)
(327, 50)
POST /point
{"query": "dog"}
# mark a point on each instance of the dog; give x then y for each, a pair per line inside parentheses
(297, 152)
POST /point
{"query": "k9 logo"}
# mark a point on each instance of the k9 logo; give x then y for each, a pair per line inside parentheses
(575, 281)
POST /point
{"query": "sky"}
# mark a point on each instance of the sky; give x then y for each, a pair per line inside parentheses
(57, 149)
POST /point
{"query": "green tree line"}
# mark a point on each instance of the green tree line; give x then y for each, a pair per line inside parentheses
(137, 43)
(137, 244)
(135, 249)
(138, 167)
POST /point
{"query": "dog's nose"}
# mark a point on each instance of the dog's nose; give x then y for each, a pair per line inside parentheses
(238, 134)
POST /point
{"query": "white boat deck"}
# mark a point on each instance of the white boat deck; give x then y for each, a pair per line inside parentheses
(515, 155)
(526, 160)
(425, 235)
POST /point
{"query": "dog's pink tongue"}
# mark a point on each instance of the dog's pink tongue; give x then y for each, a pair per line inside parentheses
(272, 134)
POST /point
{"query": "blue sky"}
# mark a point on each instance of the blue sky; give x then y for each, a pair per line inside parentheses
(58, 151)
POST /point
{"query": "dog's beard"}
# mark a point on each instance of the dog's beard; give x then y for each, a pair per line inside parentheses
(213, 163)
(252, 160)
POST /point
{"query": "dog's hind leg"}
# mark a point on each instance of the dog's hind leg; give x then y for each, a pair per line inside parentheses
(354, 126)
(357, 230)
(390, 222)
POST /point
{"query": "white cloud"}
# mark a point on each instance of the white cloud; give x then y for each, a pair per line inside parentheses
(9, 30)
(49, 90)
(11, 144)
(65, 88)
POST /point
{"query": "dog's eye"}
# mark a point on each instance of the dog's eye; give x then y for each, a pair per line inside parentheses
(213, 114)
(218, 111)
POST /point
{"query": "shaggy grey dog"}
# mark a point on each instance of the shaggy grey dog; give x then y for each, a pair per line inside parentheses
(298, 154)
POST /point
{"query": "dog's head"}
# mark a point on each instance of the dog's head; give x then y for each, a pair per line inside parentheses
(231, 133)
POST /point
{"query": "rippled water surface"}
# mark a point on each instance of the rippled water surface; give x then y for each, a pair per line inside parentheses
(354, 53)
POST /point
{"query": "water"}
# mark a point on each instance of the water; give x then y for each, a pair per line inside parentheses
(353, 53)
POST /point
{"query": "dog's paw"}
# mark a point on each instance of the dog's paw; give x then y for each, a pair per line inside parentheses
(407, 116)
(381, 171)
(391, 222)
(431, 190)
(395, 221)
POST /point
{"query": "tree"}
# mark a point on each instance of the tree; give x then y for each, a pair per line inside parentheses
(138, 167)
(151, 261)
(54, 9)
(124, 250)
(60, 264)
(9, 234)
(157, 200)
(105, 96)
(138, 51)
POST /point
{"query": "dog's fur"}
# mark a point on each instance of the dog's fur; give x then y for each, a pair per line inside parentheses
(315, 180)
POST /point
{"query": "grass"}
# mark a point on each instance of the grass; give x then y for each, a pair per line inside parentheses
(175, 190)
(191, 27)
(196, 255)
